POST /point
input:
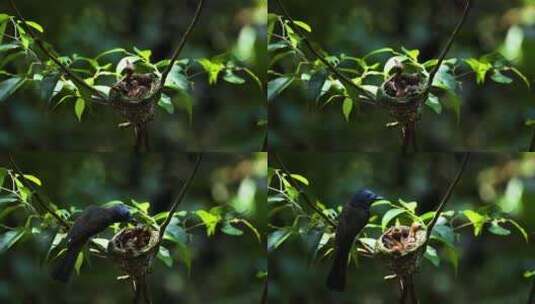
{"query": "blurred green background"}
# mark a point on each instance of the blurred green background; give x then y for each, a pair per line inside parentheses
(491, 267)
(493, 116)
(225, 116)
(224, 268)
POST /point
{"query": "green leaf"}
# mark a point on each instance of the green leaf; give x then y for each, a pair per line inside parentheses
(48, 86)
(79, 108)
(432, 256)
(413, 54)
(454, 102)
(476, 219)
(303, 25)
(145, 54)
(35, 25)
(445, 80)
(3, 174)
(434, 103)
(165, 256)
(10, 86)
(210, 220)
(480, 68)
(33, 179)
(213, 68)
(231, 230)
(347, 108)
(230, 77)
(495, 228)
(528, 274)
(177, 80)
(315, 84)
(444, 233)
(390, 215)
(276, 238)
(303, 180)
(185, 102)
(184, 255)
(452, 255)
(166, 104)
(8, 239)
(276, 86)
(79, 263)
(498, 77)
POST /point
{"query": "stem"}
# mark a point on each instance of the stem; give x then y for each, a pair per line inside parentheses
(64, 68)
(40, 200)
(179, 198)
(403, 290)
(331, 67)
(449, 44)
(265, 143)
(412, 291)
(447, 195)
(532, 144)
(264, 298)
(182, 43)
(531, 299)
(303, 194)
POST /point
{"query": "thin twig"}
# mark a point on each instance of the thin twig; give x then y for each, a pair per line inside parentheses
(532, 144)
(331, 67)
(449, 44)
(300, 190)
(40, 200)
(65, 69)
(179, 198)
(447, 195)
(182, 43)
(264, 298)
(531, 299)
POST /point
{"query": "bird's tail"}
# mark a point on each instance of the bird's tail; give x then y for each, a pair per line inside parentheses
(336, 279)
(63, 269)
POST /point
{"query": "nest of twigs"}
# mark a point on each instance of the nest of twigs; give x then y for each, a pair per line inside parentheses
(135, 97)
(134, 248)
(403, 95)
(402, 248)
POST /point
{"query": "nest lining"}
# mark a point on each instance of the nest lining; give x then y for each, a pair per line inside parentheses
(135, 96)
(402, 248)
(403, 95)
(134, 248)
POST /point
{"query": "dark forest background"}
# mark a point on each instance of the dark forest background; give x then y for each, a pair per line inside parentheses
(225, 117)
(224, 268)
(491, 267)
(493, 116)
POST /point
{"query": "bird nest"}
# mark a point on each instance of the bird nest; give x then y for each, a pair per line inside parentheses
(134, 248)
(403, 95)
(135, 97)
(402, 248)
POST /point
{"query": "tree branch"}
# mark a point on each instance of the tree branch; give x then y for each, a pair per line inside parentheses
(331, 67)
(449, 44)
(532, 143)
(40, 200)
(531, 299)
(179, 198)
(181, 44)
(303, 194)
(447, 195)
(64, 68)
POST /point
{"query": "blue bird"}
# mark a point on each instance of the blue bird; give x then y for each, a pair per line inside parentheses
(93, 220)
(354, 216)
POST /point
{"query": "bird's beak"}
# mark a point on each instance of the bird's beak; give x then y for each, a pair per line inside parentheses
(379, 198)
